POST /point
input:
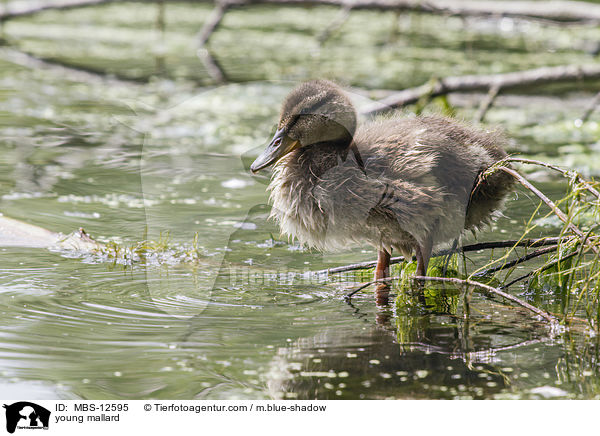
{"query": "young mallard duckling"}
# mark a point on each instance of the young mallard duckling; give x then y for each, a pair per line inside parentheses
(408, 184)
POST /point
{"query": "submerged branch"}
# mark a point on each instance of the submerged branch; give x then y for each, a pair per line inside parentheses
(490, 289)
(456, 281)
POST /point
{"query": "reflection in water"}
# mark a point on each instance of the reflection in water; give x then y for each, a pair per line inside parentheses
(422, 352)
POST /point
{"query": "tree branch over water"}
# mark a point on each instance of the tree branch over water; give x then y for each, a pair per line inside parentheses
(12, 10)
(538, 242)
(213, 68)
(77, 74)
(553, 11)
(485, 82)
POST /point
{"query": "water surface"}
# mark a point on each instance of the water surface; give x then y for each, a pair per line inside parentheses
(231, 316)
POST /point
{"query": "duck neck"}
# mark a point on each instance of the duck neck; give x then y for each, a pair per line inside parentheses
(316, 159)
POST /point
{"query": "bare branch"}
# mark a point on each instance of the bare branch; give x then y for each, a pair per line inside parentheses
(591, 108)
(514, 262)
(213, 68)
(538, 76)
(22, 9)
(489, 289)
(559, 213)
(566, 173)
(335, 24)
(487, 103)
(543, 268)
(469, 283)
(557, 11)
(212, 23)
(69, 72)
(540, 242)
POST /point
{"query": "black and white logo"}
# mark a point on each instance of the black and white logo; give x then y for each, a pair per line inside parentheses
(26, 415)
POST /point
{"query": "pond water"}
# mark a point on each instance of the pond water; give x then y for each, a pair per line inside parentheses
(230, 315)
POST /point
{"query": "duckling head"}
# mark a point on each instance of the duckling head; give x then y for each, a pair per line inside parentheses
(313, 114)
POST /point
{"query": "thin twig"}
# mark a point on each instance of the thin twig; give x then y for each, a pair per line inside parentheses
(542, 269)
(537, 242)
(335, 24)
(531, 242)
(487, 102)
(212, 66)
(489, 289)
(566, 173)
(514, 262)
(549, 265)
(212, 23)
(356, 266)
(545, 315)
(559, 213)
(348, 296)
(591, 108)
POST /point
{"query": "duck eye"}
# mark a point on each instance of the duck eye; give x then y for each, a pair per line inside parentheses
(277, 142)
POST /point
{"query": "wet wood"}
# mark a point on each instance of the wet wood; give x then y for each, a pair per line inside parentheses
(491, 290)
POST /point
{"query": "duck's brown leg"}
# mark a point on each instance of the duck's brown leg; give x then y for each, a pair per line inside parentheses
(423, 252)
(382, 271)
(383, 265)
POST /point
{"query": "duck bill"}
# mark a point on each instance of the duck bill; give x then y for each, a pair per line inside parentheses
(280, 145)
